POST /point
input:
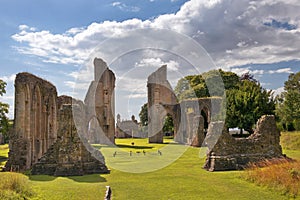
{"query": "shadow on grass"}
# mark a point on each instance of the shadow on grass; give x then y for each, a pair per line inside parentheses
(133, 147)
(91, 178)
(41, 178)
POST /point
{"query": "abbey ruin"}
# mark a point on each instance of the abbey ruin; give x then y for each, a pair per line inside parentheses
(229, 153)
(191, 117)
(52, 135)
(46, 137)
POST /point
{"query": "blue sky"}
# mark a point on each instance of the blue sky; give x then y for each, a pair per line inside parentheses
(54, 40)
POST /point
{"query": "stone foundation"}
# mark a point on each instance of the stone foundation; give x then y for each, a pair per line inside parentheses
(228, 153)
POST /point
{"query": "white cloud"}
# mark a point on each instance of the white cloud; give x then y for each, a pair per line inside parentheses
(125, 7)
(9, 79)
(233, 32)
(157, 62)
(283, 70)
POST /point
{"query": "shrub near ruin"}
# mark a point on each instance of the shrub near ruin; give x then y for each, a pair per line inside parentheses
(281, 175)
(15, 186)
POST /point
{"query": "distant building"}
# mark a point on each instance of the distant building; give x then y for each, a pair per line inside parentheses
(128, 128)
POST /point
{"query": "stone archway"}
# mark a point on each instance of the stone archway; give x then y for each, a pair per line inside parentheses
(191, 117)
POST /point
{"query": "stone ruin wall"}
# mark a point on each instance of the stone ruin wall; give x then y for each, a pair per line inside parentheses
(35, 125)
(187, 115)
(195, 113)
(45, 137)
(69, 156)
(100, 105)
(38, 123)
(159, 92)
(229, 153)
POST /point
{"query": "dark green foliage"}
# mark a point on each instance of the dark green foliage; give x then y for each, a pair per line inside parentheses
(168, 124)
(144, 114)
(246, 104)
(246, 101)
(4, 121)
(210, 83)
(288, 104)
(168, 121)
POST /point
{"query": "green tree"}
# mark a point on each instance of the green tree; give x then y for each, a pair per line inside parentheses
(246, 104)
(210, 83)
(4, 121)
(168, 121)
(144, 114)
(288, 104)
(168, 124)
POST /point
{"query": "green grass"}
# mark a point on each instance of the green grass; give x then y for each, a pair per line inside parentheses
(290, 141)
(182, 179)
(3, 154)
(15, 186)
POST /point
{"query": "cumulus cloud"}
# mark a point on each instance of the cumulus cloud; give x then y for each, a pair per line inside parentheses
(234, 33)
(9, 79)
(156, 62)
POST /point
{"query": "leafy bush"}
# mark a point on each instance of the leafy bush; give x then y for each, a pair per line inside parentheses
(15, 186)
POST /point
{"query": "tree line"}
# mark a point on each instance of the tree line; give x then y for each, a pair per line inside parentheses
(246, 100)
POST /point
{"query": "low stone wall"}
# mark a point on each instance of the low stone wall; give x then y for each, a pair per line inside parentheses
(228, 153)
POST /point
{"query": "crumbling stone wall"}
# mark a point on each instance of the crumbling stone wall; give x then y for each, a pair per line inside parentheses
(35, 125)
(189, 116)
(100, 105)
(69, 155)
(228, 153)
(159, 92)
(38, 125)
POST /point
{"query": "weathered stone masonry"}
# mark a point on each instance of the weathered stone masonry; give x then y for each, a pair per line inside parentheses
(100, 105)
(45, 137)
(190, 117)
(35, 125)
(69, 155)
(229, 153)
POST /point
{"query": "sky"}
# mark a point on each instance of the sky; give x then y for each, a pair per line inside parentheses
(57, 40)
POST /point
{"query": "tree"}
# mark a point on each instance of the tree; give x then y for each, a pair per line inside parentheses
(288, 104)
(144, 115)
(168, 121)
(210, 83)
(246, 104)
(248, 76)
(168, 124)
(4, 121)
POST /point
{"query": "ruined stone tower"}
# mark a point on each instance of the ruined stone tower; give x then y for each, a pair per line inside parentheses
(100, 105)
(35, 125)
(159, 92)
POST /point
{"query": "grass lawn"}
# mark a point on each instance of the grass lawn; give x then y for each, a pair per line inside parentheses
(291, 143)
(3, 154)
(182, 179)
